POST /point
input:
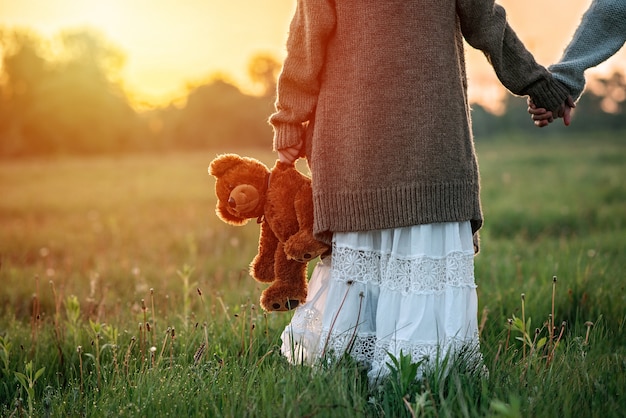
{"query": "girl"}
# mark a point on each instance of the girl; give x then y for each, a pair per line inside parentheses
(374, 94)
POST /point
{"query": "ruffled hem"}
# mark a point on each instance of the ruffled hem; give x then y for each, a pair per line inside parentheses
(408, 290)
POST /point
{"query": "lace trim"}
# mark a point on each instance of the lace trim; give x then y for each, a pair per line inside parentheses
(374, 354)
(364, 346)
(427, 351)
(420, 274)
(361, 347)
(431, 355)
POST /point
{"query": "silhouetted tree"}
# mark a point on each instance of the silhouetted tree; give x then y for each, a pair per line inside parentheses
(263, 69)
(70, 104)
(613, 92)
(23, 69)
(218, 114)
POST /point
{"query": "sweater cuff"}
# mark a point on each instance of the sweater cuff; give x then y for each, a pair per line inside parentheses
(548, 94)
(287, 135)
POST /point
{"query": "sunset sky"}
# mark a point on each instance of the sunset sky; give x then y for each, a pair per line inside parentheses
(169, 43)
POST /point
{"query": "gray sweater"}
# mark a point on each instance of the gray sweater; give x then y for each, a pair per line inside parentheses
(377, 91)
(601, 33)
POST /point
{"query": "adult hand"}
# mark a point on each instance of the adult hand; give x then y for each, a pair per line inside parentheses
(289, 155)
(567, 110)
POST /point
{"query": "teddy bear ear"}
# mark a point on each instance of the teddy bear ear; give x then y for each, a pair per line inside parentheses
(223, 163)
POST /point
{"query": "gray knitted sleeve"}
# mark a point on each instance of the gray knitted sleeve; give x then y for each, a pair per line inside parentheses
(601, 33)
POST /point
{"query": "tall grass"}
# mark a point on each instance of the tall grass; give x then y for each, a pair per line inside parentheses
(122, 294)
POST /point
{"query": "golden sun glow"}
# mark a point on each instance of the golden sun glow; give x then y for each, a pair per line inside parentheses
(167, 44)
(171, 44)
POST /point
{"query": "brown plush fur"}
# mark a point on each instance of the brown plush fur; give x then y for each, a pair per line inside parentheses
(282, 201)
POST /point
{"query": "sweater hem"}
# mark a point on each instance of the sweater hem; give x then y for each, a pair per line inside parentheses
(396, 207)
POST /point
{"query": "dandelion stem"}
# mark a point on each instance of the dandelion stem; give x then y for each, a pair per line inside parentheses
(79, 349)
(173, 338)
(508, 334)
(153, 313)
(524, 326)
(553, 317)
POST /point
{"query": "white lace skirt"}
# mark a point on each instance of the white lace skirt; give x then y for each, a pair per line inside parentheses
(408, 290)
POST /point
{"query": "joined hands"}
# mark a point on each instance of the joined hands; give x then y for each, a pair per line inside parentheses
(543, 117)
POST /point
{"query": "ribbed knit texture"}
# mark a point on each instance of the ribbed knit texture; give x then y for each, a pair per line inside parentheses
(377, 90)
(600, 34)
(433, 203)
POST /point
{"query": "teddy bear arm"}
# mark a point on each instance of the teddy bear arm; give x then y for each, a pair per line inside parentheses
(303, 205)
(262, 267)
(296, 217)
(303, 246)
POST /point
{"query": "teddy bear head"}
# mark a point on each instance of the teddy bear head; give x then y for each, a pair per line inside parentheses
(240, 187)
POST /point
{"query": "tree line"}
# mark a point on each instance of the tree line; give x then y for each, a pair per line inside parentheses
(73, 102)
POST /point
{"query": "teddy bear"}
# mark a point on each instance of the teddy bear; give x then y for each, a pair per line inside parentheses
(282, 202)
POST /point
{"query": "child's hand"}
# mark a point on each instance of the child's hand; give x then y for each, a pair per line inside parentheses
(289, 155)
(541, 116)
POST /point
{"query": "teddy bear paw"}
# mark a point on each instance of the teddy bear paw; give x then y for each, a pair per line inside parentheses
(304, 251)
(287, 306)
(279, 304)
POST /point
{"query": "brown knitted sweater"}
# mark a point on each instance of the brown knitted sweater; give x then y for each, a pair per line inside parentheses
(377, 91)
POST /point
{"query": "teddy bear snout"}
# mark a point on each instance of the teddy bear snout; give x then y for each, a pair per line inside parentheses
(244, 199)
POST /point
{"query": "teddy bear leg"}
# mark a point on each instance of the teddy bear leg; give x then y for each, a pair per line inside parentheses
(290, 286)
(262, 267)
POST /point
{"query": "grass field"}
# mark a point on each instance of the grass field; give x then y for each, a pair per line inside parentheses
(122, 294)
